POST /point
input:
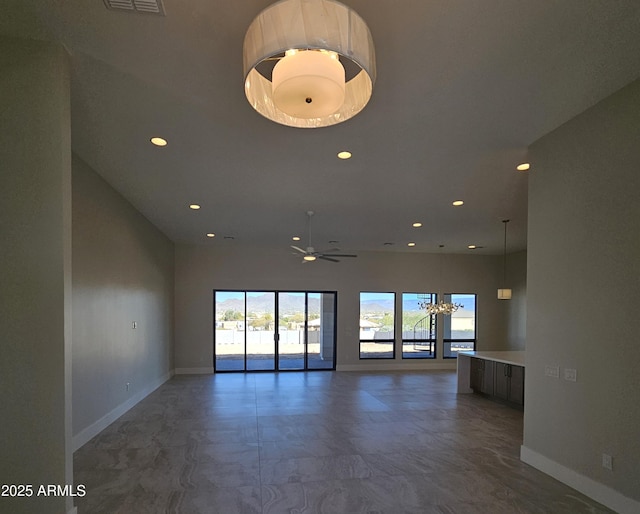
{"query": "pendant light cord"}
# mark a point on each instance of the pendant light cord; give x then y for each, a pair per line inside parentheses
(504, 260)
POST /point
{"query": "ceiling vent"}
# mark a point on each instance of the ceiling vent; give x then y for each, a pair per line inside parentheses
(139, 6)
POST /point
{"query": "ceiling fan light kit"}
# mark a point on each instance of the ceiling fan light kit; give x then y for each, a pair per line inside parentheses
(308, 63)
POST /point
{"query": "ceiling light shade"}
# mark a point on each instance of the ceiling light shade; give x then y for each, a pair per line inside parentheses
(308, 63)
(504, 294)
(308, 84)
(158, 141)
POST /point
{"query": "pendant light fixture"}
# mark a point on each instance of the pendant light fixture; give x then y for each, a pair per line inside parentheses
(504, 294)
(308, 63)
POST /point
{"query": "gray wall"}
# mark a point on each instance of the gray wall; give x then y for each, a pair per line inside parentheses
(517, 306)
(223, 264)
(35, 274)
(122, 272)
(583, 296)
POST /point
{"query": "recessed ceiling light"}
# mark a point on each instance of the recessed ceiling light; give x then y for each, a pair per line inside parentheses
(388, 244)
(211, 234)
(158, 141)
(194, 206)
(472, 247)
(296, 238)
(411, 244)
(334, 242)
(344, 155)
(458, 203)
(523, 167)
(417, 224)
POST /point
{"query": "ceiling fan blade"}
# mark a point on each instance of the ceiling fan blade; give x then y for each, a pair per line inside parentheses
(327, 258)
(339, 255)
(299, 249)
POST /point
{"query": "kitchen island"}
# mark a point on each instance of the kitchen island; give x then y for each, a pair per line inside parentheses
(497, 374)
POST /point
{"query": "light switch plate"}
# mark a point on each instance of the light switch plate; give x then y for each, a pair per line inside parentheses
(570, 374)
(552, 371)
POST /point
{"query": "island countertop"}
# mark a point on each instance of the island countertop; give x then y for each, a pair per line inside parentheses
(508, 357)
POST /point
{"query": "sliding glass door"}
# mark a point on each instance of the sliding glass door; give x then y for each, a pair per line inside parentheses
(229, 333)
(274, 330)
(291, 330)
(261, 344)
(321, 330)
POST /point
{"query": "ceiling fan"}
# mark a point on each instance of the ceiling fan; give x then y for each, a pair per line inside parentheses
(310, 254)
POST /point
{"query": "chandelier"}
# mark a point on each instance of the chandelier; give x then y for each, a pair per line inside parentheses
(440, 307)
(308, 63)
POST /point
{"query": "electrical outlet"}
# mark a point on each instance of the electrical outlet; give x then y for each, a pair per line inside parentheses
(607, 461)
(552, 371)
(570, 374)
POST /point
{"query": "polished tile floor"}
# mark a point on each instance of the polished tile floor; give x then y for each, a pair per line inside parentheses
(316, 442)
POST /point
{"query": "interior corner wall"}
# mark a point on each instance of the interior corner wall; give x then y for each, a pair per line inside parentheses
(583, 300)
(225, 265)
(123, 272)
(35, 234)
(517, 306)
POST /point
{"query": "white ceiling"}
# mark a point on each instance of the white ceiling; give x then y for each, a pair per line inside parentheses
(463, 87)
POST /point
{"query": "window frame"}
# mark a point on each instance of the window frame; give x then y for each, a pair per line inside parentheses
(434, 329)
(449, 340)
(276, 356)
(392, 340)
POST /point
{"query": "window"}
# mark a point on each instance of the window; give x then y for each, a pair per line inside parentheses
(418, 328)
(377, 322)
(460, 327)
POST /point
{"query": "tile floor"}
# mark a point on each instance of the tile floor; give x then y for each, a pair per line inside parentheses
(316, 442)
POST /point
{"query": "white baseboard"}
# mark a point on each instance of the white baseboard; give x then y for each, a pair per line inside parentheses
(376, 365)
(595, 490)
(88, 433)
(194, 371)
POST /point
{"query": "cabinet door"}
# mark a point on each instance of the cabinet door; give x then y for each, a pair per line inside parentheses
(516, 390)
(487, 377)
(476, 374)
(501, 381)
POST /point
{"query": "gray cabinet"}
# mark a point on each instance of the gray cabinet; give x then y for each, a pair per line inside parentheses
(509, 383)
(482, 376)
(498, 380)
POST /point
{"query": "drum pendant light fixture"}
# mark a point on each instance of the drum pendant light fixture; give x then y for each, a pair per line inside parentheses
(308, 63)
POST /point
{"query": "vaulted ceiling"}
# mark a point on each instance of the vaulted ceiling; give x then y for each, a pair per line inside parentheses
(463, 87)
